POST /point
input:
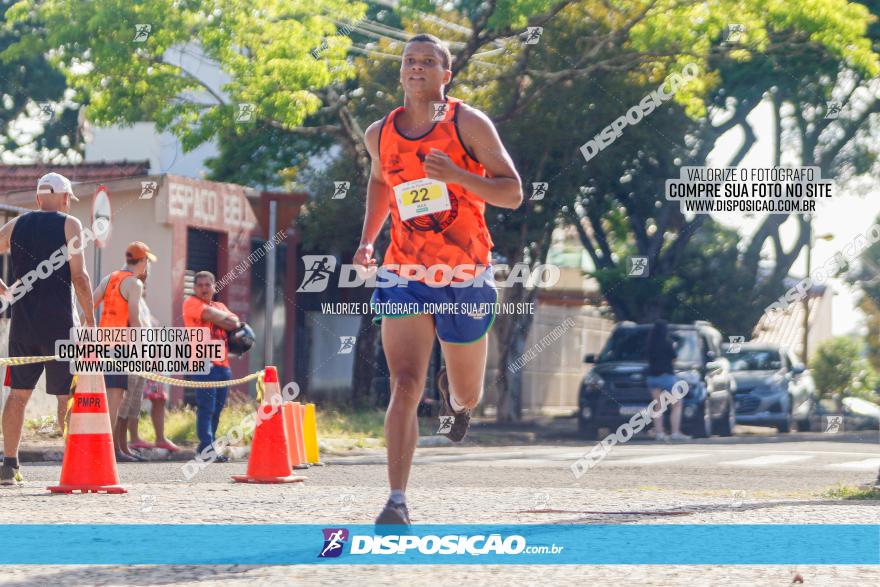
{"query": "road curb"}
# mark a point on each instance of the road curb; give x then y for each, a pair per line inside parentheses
(55, 454)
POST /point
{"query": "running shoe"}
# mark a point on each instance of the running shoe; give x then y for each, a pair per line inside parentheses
(679, 436)
(661, 437)
(461, 420)
(10, 476)
(394, 514)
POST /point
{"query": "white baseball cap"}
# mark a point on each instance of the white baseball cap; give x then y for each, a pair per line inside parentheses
(55, 183)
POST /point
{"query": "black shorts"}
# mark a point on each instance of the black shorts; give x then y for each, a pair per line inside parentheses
(116, 381)
(58, 375)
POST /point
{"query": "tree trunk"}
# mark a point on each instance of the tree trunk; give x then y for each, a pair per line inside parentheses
(364, 362)
(512, 331)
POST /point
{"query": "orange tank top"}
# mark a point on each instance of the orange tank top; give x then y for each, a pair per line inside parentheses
(455, 236)
(114, 314)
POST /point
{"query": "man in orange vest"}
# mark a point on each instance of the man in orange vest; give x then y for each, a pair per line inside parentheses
(201, 311)
(121, 293)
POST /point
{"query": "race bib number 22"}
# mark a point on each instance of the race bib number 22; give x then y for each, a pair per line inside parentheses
(420, 197)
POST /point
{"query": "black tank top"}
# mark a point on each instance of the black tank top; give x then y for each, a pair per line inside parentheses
(48, 306)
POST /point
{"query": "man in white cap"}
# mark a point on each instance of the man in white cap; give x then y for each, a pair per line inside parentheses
(46, 240)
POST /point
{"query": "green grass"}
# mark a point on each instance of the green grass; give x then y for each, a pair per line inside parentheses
(339, 427)
(356, 424)
(41, 425)
(846, 492)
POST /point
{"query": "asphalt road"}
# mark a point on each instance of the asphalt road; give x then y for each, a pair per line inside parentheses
(760, 479)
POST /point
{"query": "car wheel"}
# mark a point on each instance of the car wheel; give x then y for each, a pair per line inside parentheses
(587, 429)
(727, 420)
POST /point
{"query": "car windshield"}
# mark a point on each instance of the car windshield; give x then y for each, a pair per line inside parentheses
(628, 344)
(754, 360)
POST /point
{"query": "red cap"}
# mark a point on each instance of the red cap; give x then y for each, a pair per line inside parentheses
(270, 375)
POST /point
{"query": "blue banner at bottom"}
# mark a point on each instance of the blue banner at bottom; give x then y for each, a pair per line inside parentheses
(291, 544)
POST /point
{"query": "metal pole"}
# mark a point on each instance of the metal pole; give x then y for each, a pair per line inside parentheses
(807, 297)
(270, 285)
(97, 279)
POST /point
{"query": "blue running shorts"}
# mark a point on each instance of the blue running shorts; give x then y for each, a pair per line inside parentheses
(462, 315)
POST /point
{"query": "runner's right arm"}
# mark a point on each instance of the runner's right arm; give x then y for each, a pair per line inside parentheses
(377, 200)
(79, 276)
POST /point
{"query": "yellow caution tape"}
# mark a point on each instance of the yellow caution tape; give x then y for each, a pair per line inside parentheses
(25, 360)
(151, 376)
(260, 388)
(67, 414)
(199, 384)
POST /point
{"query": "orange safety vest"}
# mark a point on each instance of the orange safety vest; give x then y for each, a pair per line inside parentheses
(115, 311)
(455, 236)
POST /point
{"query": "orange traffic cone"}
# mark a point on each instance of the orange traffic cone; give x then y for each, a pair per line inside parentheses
(296, 458)
(299, 417)
(269, 461)
(7, 386)
(89, 464)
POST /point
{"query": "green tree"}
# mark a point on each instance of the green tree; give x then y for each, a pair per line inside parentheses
(864, 274)
(33, 89)
(839, 370)
(597, 53)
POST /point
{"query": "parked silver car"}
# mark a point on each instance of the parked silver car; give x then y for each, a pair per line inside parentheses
(773, 388)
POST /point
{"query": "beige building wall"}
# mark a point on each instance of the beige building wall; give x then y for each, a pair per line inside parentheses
(786, 326)
(132, 219)
(552, 372)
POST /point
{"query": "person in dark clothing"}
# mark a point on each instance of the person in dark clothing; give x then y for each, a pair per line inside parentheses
(48, 269)
(661, 377)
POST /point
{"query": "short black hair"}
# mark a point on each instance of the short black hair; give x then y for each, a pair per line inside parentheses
(204, 275)
(425, 38)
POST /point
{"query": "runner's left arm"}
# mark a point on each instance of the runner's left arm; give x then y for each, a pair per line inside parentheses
(134, 291)
(79, 276)
(502, 186)
(98, 295)
(5, 245)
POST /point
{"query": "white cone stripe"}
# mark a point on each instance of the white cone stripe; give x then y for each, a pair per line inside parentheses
(768, 460)
(89, 424)
(90, 384)
(864, 465)
(272, 389)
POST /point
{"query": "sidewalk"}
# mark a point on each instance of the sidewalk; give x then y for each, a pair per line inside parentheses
(44, 449)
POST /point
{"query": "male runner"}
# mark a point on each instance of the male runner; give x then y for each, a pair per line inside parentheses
(121, 293)
(46, 310)
(434, 174)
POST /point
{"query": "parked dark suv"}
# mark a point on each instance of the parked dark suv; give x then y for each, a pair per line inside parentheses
(615, 389)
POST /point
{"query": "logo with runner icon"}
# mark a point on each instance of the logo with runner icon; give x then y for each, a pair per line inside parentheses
(334, 541)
